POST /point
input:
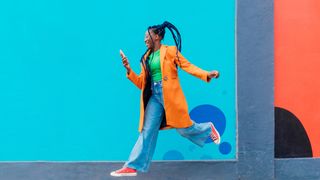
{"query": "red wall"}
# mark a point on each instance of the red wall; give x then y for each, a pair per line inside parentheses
(297, 63)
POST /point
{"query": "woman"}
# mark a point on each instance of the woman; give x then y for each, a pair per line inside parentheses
(162, 103)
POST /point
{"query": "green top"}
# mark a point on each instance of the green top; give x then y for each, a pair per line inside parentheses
(154, 64)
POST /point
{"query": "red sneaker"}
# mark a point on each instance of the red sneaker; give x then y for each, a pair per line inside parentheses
(215, 136)
(125, 171)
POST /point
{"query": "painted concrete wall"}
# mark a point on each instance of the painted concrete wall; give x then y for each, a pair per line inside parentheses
(65, 95)
(255, 122)
(255, 146)
(297, 86)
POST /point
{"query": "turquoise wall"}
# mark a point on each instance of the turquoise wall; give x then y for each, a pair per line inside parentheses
(64, 95)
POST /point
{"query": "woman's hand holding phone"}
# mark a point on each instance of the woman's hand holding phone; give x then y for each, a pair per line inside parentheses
(125, 61)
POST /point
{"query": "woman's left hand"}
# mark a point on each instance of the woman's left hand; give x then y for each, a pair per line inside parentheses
(213, 74)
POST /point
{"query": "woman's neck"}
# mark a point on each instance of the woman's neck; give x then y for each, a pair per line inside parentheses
(156, 47)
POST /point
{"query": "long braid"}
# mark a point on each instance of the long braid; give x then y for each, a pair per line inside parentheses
(142, 60)
(176, 37)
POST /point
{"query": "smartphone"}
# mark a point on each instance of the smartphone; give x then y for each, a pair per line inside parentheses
(122, 54)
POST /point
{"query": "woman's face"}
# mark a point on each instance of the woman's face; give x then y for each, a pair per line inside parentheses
(148, 40)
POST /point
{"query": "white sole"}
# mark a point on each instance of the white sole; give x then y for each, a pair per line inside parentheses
(122, 174)
(217, 141)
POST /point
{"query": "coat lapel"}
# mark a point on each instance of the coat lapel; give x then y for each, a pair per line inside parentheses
(163, 50)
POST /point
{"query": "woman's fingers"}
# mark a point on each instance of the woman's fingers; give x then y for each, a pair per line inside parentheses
(124, 59)
(214, 74)
(125, 62)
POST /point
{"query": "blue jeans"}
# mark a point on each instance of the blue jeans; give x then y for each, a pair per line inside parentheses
(142, 152)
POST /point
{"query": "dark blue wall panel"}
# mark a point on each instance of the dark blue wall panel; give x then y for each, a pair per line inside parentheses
(255, 89)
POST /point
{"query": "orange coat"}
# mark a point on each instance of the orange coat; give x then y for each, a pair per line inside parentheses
(175, 105)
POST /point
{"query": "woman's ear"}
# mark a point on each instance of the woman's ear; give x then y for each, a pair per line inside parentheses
(157, 37)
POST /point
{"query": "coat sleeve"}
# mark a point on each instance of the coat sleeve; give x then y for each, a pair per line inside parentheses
(184, 64)
(136, 79)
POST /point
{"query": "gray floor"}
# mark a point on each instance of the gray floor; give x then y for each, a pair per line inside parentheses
(101, 170)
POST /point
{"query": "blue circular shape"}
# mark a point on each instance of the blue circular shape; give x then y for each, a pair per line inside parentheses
(173, 155)
(209, 113)
(225, 148)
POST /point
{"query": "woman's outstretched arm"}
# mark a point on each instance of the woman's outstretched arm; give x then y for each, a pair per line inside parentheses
(184, 64)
